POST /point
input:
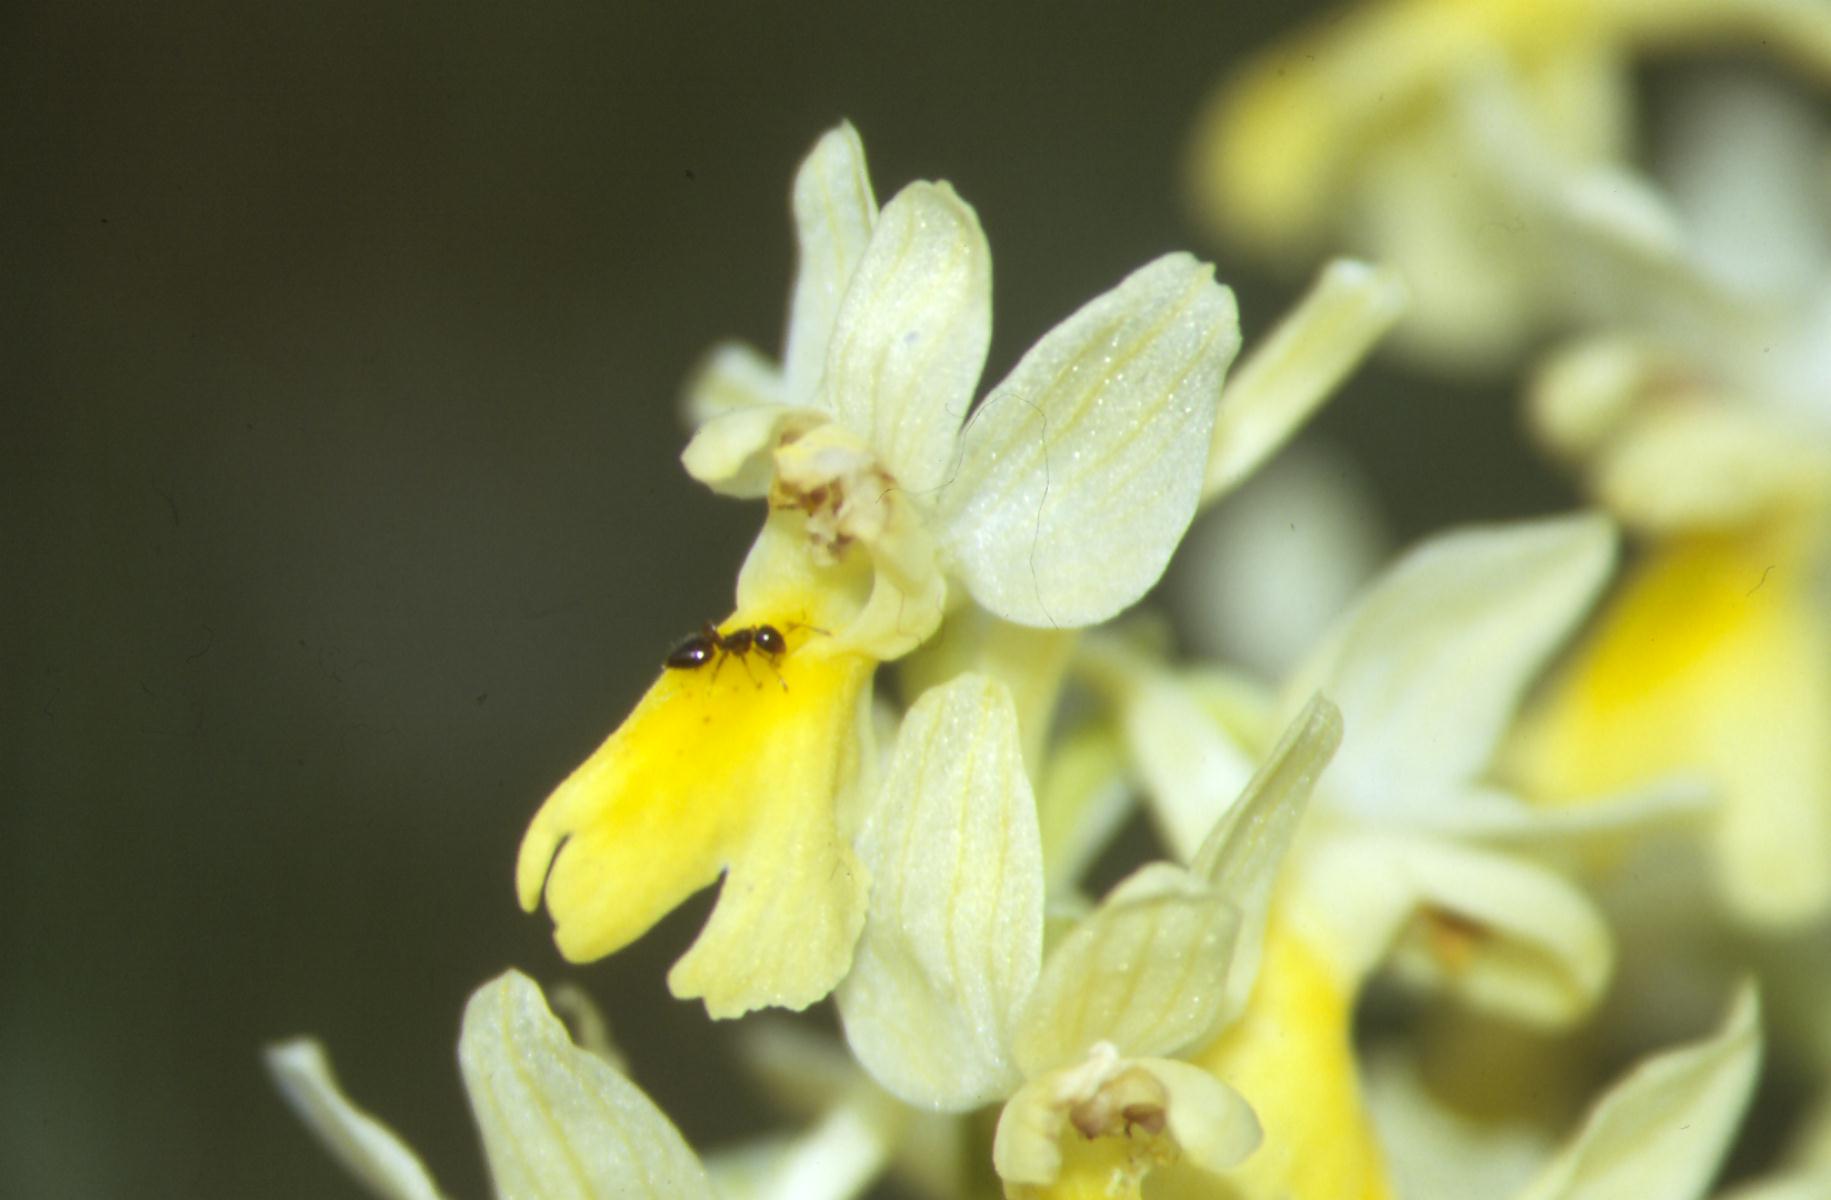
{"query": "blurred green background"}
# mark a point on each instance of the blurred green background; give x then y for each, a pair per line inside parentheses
(342, 348)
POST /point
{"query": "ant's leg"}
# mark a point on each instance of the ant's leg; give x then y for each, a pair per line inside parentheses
(810, 628)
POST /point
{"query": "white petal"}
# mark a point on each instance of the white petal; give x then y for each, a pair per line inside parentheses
(1429, 666)
(912, 333)
(1146, 971)
(834, 211)
(953, 938)
(1080, 472)
(367, 1149)
(1288, 375)
(1660, 1133)
(1494, 930)
(733, 377)
(558, 1122)
(1241, 857)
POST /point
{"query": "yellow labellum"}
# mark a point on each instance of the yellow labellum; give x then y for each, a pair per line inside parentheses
(1100, 1168)
(1714, 660)
(733, 765)
(1291, 1055)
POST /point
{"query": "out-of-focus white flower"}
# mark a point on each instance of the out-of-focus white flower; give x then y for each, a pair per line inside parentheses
(1465, 144)
(1703, 420)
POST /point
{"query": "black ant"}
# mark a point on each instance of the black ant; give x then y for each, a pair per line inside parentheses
(711, 646)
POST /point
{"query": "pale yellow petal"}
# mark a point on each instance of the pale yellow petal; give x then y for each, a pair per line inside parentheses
(1429, 666)
(572, 1004)
(1030, 662)
(1146, 971)
(909, 594)
(953, 940)
(365, 1147)
(1258, 578)
(810, 1073)
(1288, 374)
(1581, 394)
(1705, 467)
(1079, 473)
(558, 1122)
(834, 211)
(1594, 828)
(1437, 1150)
(1193, 767)
(911, 336)
(733, 377)
(730, 452)
(1242, 856)
(1212, 1125)
(1026, 1149)
(1084, 799)
(837, 1158)
(1099, 1127)
(1494, 930)
(1661, 1132)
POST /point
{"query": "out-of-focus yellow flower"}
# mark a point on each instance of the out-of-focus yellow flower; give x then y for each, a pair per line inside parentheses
(1715, 658)
(1462, 141)
(1704, 422)
(1411, 860)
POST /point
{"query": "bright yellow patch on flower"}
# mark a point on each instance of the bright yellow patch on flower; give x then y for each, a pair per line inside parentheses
(736, 765)
(1715, 659)
(1291, 1055)
(1109, 1167)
